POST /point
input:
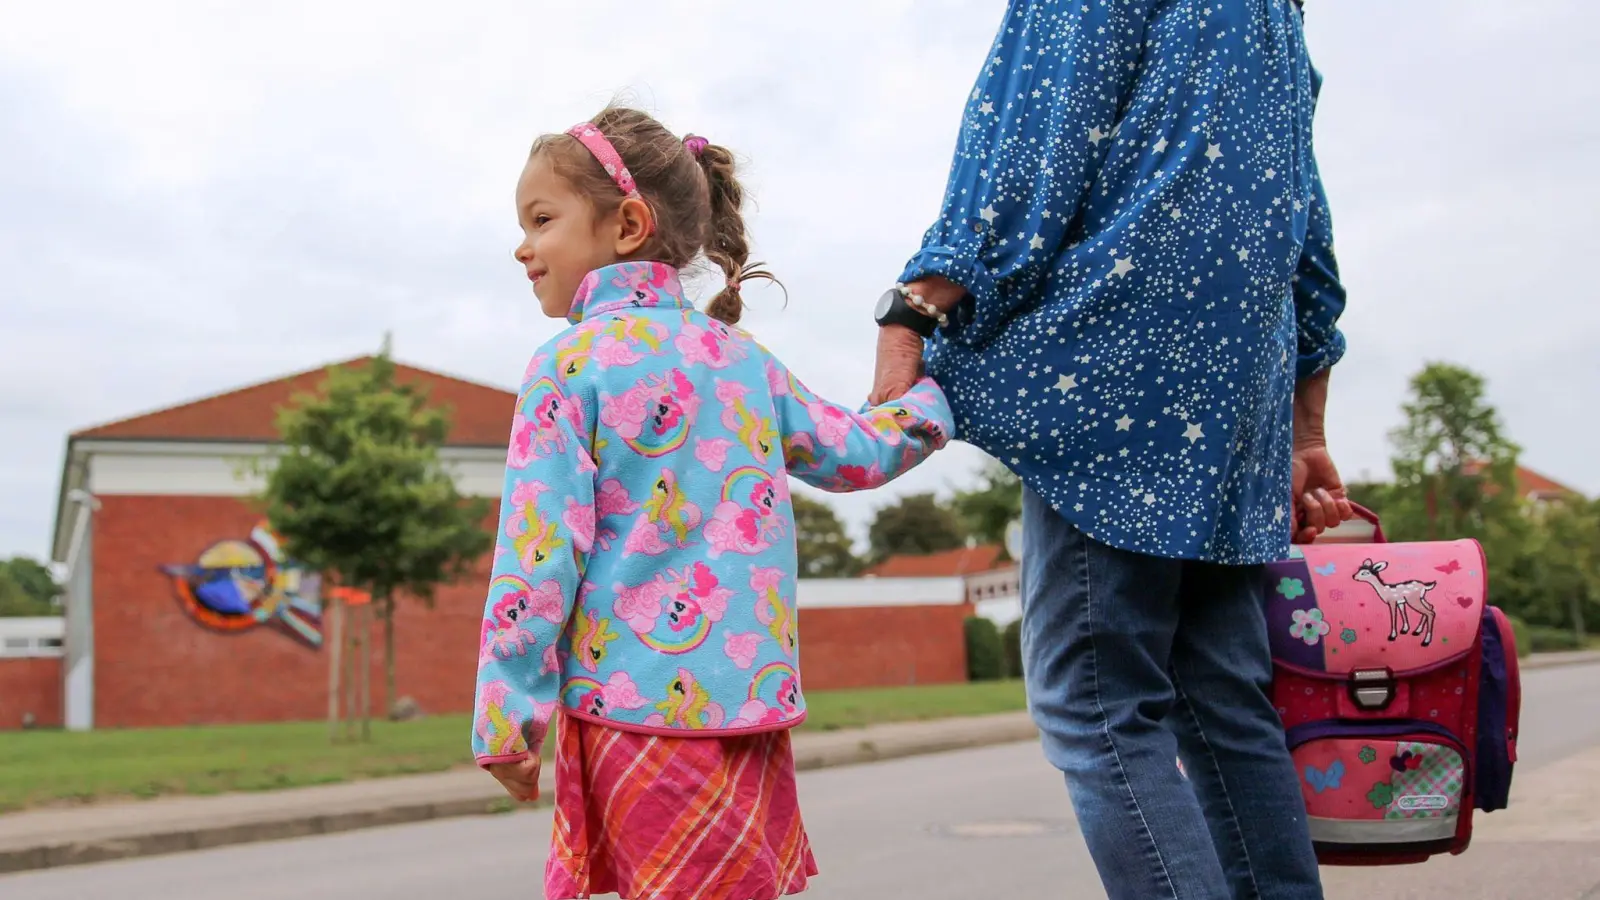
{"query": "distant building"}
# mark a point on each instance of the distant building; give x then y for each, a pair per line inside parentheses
(181, 609)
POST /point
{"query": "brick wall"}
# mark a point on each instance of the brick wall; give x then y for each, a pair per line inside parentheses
(156, 666)
(30, 686)
(875, 646)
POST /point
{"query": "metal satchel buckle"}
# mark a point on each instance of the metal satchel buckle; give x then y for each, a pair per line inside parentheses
(1372, 689)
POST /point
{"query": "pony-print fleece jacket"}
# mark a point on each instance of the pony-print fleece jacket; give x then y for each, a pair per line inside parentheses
(644, 568)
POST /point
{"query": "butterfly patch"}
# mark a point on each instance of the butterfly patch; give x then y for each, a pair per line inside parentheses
(1326, 570)
(1327, 779)
(1449, 568)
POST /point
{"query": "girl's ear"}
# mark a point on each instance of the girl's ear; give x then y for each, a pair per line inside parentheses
(635, 224)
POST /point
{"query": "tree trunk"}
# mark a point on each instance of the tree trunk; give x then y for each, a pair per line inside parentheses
(333, 639)
(389, 698)
(366, 673)
(1577, 620)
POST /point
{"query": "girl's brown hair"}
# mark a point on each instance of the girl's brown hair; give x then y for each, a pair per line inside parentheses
(695, 198)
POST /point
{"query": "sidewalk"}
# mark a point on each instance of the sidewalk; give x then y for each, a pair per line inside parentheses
(62, 837)
(118, 830)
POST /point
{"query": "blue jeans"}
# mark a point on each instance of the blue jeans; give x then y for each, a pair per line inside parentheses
(1132, 661)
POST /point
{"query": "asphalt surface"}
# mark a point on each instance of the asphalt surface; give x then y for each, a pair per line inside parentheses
(984, 823)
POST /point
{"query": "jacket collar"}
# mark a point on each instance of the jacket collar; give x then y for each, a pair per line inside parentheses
(627, 285)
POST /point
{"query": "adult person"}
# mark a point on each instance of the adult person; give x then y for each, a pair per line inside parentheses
(1131, 299)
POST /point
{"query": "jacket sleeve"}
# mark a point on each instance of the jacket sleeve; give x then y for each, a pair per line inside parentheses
(1038, 123)
(1319, 296)
(827, 446)
(545, 532)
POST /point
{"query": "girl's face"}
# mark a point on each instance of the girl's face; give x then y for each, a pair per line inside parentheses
(561, 239)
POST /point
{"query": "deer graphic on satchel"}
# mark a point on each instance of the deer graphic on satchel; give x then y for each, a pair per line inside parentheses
(1400, 597)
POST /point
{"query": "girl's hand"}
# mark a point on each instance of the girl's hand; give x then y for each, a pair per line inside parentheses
(520, 779)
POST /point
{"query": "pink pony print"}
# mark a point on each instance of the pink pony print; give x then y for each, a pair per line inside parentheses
(712, 452)
(662, 402)
(504, 632)
(538, 361)
(757, 712)
(833, 425)
(619, 692)
(742, 648)
(856, 478)
(693, 592)
(537, 436)
(499, 728)
(712, 346)
(748, 530)
(777, 381)
(645, 281)
(640, 606)
(772, 610)
(611, 500)
(579, 519)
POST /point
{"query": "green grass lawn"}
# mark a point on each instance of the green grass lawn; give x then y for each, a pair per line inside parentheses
(48, 767)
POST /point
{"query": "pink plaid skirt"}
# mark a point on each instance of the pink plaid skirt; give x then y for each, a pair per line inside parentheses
(657, 818)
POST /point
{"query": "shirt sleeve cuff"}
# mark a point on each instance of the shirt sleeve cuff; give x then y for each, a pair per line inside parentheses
(979, 315)
(1328, 356)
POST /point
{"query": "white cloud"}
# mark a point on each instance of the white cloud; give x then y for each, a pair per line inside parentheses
(199, 195)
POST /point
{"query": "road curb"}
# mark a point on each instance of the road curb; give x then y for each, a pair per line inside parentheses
(1559, 660)
(832, 750)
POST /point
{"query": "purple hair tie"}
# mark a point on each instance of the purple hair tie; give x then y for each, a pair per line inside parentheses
(696, 145)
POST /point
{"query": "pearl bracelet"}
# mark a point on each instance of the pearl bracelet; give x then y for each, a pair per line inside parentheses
(916, 302)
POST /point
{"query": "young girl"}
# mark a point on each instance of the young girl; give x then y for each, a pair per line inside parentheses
(644, 573)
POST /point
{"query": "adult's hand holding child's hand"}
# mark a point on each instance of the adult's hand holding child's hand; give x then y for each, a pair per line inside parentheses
(900, 349)
(520, 779)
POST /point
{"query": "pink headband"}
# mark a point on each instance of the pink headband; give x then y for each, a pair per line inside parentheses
(607, 155)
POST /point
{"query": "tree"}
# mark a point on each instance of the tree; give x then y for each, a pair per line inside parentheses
(991, 505)
(358, 492)
(1454, 470)
(918, 524)
(1567, 548)
(27, 588)
(824, 548)
(1455, 477)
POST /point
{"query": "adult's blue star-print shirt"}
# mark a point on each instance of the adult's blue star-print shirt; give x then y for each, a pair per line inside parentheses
(1135, 212)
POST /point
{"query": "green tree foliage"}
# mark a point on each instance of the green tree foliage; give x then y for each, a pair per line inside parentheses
(989, 506)
(917, 524)
(1011, 637)
(27, 588)
(359, 494)
(986, 658)
(1455, 477)
(824, 547)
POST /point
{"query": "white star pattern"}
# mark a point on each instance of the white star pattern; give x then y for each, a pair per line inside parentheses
(1140, 321)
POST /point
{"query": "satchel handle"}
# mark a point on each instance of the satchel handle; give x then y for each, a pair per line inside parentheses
(1369, 516)
(1377, 527)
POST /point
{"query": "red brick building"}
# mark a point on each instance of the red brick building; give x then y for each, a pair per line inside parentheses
(180, 610)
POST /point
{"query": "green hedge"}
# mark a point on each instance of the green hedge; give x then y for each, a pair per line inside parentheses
(1012, 639)
(1519, 630)
(986, 658)
(1543, 639)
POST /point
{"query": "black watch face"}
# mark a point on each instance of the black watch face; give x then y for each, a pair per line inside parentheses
(885, 303)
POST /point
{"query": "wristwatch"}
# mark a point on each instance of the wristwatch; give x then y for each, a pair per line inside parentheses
(900, 306)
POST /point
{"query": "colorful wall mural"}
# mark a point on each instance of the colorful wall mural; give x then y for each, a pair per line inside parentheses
(238, 585)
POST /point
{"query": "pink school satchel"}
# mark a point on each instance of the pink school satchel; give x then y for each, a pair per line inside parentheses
(1399, 690)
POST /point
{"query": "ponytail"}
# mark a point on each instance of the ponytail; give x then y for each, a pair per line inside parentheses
(727, 243)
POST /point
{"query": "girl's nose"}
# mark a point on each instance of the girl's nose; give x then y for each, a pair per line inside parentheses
(522, 254)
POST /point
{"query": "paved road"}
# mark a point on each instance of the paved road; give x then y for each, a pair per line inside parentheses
(983, 823)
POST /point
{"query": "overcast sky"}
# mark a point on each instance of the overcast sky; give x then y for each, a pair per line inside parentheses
(196, 196)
